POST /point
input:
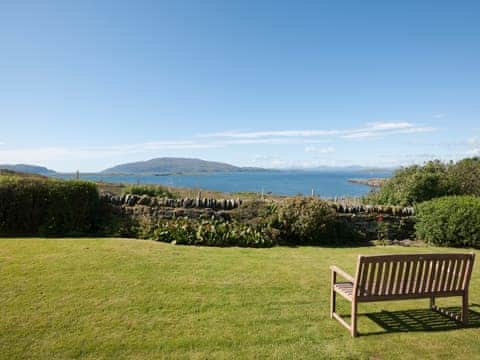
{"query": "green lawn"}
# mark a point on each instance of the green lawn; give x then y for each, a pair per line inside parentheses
(111, 298)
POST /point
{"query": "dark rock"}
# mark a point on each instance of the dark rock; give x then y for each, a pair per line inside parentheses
(144, 200)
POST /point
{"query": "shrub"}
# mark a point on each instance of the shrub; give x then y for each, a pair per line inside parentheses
(150, 190)
(47, 207)
(413, 184)
(209, 233)
(304, 220)
(464, 177)
(254, 212)
(450, 221)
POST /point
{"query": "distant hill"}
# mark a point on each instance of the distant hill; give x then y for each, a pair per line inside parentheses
(29, 169)
(175, 166)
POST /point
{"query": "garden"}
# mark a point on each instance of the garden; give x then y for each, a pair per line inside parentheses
(81, 276)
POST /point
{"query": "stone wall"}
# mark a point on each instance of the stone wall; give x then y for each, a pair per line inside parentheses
(152, 201)
(386, 227)
(374, 222)
(152, 208)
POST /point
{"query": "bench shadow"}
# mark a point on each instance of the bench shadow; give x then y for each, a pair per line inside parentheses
(419, 320)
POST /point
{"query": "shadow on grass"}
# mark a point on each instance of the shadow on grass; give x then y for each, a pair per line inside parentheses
(333, 245)
(419, 320)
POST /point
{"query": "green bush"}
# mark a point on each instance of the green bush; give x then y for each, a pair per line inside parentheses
(254, 212)
(304, 220)
(450, 221)
(464, 177)
(414, 184)
(150, 190)
(47, 207)
(208, 233)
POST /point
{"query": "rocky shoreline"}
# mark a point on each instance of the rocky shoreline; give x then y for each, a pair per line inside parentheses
(372, 182)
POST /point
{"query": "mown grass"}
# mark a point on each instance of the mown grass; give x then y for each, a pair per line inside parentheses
(112, 298)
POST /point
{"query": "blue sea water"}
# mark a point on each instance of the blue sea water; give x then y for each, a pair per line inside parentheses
(324, 183)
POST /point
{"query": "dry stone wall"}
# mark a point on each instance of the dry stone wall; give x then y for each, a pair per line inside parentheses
(374, 222)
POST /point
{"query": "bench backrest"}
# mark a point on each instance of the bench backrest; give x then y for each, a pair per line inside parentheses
(408, 276)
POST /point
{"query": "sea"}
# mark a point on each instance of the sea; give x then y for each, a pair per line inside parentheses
(327, 184)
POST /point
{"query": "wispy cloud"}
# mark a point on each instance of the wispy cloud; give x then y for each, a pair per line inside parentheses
(473, 141)
(474, 144)
(361, 135)
(473, 152)
(266, 134)
(320, 150)
(314, 141)
(371, 129)
(48, 154)
(379, 126)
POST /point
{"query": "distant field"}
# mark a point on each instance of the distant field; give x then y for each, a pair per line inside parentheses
(112, 298)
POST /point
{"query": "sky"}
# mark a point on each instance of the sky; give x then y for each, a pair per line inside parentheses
(280, 84)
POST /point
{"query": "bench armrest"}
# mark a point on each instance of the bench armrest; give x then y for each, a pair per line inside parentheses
(342, 273)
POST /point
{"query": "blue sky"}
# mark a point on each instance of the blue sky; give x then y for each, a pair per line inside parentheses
(90, 84)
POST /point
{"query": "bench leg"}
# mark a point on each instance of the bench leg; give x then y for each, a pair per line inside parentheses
(465, 308)
(462, 317)
(333, 305)
(353, 323)
(333, 295)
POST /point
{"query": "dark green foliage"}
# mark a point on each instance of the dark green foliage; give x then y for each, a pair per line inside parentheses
(115, 222)
(255, 212)
(309, 221)
(150, 190)
(450, 221)
(209, 233)
(465, 177)
(389, 229)
(47, 207)
(414, 184)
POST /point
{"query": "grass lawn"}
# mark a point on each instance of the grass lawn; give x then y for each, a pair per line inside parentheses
(112, 298)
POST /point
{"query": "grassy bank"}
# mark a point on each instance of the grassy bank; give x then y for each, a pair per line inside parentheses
(111, 298)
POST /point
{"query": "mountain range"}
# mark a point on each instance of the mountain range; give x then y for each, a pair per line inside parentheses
(170, 165)
(175, 166)
(29, 169)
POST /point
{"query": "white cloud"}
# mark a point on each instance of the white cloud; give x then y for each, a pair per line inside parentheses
(312, 140)
(389, 125)
(266, 134)
(361, 135)
(473, 152)
(473, 141)
(280, 163)
(320, 150)
(269, 141)
(53, 154)
(369, 130)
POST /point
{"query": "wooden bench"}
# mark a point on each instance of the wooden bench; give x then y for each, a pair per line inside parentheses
(399, 277)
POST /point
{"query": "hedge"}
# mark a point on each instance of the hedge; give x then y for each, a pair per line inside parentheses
(47, 207)
(450, 221)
